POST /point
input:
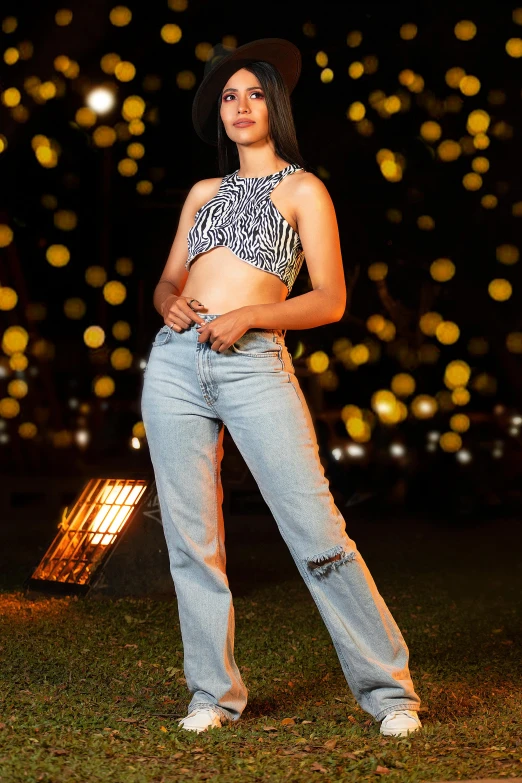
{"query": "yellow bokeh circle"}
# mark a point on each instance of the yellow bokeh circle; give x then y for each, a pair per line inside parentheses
(377, 270)
(507, 254)
(442, 270)
(121, 359)
(17, 388)
(133, 107)
(457, 374)
(138, 430)
(74, 308)
(95, 276)
(465, 30)
(500, 290)
(375, 323)
(9, 408)
(104, 386)
(171, 33)
(8, 298)
(58, 255)
(124, 266)
(318, 361)
(6, 235)
(14, 340)
(104, 136)
(447, 332)
(358, 430)
(109, 62)
(27, 430)
(18, 361)
(144, 187)
(127, 167)
(429, 322)
(450, 441)
(359, 354)
(136, 150)
(120, 15)
(125, 71)
(383, 402)
(460, 422)
(424, 406)
(121, 330)
(514, 342)
(114, 292)
(94, 336)
(460, 396)
(403, 384)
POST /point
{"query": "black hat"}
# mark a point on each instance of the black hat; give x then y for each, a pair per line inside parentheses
(284, 55)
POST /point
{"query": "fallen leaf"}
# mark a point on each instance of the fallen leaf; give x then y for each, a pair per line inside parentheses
(316, 767)
(162, 728)
(330, 744)
(58, 751)
(288, 722)
(305, 721)
(269, 728)
(382, 770)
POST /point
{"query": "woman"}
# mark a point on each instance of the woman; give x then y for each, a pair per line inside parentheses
(221, 359)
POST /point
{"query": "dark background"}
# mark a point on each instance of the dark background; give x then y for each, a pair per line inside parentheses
(115, 221)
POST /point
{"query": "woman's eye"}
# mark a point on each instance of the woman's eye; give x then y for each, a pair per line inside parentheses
(231, 95)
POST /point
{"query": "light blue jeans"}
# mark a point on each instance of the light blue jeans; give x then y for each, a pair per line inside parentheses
(189, 393)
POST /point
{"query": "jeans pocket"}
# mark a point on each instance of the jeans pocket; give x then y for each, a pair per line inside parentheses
(163, 336)
(257, 345)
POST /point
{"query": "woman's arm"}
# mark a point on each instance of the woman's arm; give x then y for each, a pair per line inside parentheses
(174, 275)
(319, 234)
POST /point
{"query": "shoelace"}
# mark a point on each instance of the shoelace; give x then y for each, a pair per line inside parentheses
(399, 712)
(195, 712)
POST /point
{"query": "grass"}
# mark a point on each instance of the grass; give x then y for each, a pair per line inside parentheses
(90, 690)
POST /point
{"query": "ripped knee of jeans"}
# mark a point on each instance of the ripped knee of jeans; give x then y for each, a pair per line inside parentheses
(322, 564)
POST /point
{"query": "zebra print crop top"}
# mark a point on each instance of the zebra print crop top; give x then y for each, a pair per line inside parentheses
(243, 217)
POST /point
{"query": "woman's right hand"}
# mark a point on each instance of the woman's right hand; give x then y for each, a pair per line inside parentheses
(178, 314)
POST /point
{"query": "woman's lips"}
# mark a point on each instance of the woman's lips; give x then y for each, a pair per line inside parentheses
(242, 124)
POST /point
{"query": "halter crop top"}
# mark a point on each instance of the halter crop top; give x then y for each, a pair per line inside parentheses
(243, 217)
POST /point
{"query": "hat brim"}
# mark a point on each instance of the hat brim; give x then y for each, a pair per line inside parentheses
(283, 54)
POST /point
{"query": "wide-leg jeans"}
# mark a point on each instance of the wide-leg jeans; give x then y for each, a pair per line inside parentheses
(190, 392)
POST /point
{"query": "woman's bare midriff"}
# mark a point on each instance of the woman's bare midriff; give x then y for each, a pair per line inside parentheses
(222, 282)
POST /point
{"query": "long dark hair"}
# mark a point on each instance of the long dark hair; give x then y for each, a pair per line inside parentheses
(280, 118)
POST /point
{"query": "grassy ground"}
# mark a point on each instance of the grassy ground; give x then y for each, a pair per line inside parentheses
(90, 690)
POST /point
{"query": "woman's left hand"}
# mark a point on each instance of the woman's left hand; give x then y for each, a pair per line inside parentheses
(226, 329)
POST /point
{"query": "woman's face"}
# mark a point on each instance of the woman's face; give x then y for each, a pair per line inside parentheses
(243, 99)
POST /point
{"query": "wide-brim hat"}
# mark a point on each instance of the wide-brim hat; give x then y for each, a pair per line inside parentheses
(283, 54)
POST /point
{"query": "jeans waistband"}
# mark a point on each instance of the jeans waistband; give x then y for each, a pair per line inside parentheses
(211, 316)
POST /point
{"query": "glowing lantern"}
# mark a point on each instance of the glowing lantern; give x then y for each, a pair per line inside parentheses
(111, 542)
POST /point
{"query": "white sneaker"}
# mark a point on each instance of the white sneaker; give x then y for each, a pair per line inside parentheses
(200, 720)
(400, 723)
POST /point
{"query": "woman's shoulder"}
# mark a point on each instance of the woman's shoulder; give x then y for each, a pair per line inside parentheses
(307, 183)
(203, 190)
(204, 186)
